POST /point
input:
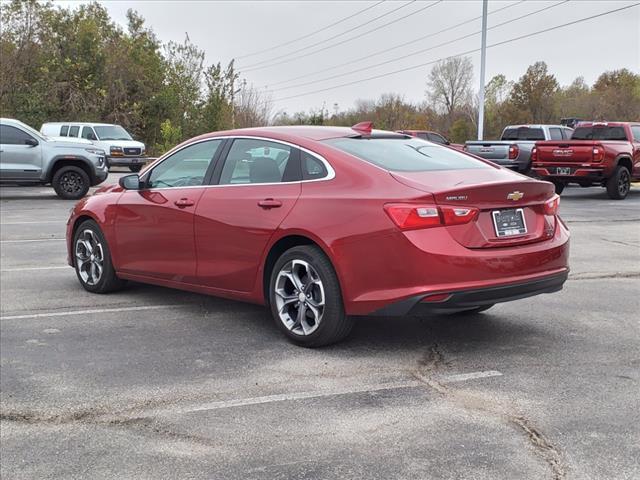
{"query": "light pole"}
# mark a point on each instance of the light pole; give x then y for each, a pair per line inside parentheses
(483, 59)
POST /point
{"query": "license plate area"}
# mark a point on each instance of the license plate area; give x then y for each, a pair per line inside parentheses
(509, 223)
(563, 170)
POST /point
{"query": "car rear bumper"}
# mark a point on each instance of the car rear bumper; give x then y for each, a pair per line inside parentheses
(579, 174)
(466, 299)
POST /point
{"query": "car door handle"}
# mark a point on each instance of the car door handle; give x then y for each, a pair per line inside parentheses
(184, 202)
(269, 203)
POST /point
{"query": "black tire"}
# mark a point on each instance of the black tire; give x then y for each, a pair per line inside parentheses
(559, 187)
(334, 325)
(135, 168)
(473, 311)
(70, 182)
(108, 281)
(619, 184)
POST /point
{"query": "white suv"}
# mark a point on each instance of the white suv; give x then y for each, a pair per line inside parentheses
(121, 149)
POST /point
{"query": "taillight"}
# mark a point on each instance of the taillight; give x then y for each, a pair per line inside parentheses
(552, 205)
(411, 217)
(513, 152)
(598, 154)
(534, 154)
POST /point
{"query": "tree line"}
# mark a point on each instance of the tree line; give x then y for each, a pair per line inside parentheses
(64, 64)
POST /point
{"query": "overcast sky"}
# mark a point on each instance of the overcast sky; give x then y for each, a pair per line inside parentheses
(227, 30)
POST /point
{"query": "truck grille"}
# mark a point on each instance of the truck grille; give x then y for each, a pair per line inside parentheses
(131, 151)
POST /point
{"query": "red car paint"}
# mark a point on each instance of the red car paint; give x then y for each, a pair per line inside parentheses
(219, 239)
(589, 161)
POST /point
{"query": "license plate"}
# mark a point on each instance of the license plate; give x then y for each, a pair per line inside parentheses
(563, 171)
(509, 222)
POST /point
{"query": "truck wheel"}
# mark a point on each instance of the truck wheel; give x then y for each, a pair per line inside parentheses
(135, 168)
(70, 182)
(305, 298)
(619, 184)
(559, 187)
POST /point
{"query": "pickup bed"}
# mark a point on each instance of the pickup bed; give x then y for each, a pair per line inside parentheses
(606, 154)
(513, 150)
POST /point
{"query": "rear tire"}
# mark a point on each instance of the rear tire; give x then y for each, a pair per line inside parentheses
(135, 168)
(305, 298)
(70, 182)
(559, 187)
(619, 184)
(92, 260)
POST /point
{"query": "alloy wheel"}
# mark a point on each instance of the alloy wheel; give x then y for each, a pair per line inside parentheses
(89, 257)
(71, 182)
(623, 183)
(299, 297)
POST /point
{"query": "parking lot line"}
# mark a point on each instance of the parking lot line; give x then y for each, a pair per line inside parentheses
(87, 312)
(463, 377)
(60, 222)
(34, 240)
(25, 269)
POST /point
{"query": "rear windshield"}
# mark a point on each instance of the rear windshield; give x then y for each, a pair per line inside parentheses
(599, 132)
(523, 133)
(405, 155)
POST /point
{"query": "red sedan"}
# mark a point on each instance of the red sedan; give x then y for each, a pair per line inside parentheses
(322, 224)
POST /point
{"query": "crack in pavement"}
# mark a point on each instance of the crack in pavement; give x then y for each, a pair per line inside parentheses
(543, 447)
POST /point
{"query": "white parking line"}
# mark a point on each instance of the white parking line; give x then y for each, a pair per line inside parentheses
(60, 222)
(25, 269)
(34, 240)
(463, 377)
(87, 312)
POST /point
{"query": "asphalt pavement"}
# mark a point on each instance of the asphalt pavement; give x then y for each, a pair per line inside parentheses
(153, 383)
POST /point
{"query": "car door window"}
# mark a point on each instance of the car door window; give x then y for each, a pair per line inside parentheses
(73, 131)
(423, 136)
(88, 133)
(64, 130)
(434, 137)
(13, 136)
(185, 168)
(635, 129)
(258, 161)
(555, 134)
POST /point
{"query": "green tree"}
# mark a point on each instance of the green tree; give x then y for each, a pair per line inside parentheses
(533, 95)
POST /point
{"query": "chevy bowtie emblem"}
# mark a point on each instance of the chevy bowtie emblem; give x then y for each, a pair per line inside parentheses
(515, 196)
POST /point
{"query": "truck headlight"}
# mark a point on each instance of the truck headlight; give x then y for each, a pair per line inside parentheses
(95, 151)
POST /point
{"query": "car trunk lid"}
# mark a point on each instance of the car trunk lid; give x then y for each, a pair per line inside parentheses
(497, 194)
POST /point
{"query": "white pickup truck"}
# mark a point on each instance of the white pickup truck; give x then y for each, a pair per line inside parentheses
(513, 150)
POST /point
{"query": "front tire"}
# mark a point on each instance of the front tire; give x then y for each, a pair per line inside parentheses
(619, 184)
(92, 260)
(70, 182)
(305, 298)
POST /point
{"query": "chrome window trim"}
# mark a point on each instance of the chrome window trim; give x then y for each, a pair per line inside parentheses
(331, 173)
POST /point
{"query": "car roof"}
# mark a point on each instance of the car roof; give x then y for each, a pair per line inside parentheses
(536, 125)
(302, 131)
(84, 124)
(612, 124)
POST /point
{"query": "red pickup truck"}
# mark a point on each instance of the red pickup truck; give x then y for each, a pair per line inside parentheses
(606, 154)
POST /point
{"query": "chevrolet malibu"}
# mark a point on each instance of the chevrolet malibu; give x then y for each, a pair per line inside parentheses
(323, 224)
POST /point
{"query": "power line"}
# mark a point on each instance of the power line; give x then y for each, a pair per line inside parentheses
(289, 42)
(342, 42)
(468, 52)
(380, 52)
(393, 60)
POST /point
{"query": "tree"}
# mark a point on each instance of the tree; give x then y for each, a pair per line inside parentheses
(618, 95)
(534, 94)
(450, 85)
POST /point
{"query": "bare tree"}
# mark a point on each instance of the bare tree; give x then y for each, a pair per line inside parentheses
(253, 108)
(450, 85)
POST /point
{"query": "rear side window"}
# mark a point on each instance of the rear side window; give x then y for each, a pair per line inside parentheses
(523, 133)
(64, 130)
(555, 134)
(12, 136)
(73, 131)
(405, 155)
(599, 132)
(312, 167)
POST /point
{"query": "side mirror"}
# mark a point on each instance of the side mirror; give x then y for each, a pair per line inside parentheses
(92, 136)
(447, 142)
(130, 182)
(32, 142)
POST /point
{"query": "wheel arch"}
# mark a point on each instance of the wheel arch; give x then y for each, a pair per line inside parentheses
(283, 243)
(625, 161)
(65, 160)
